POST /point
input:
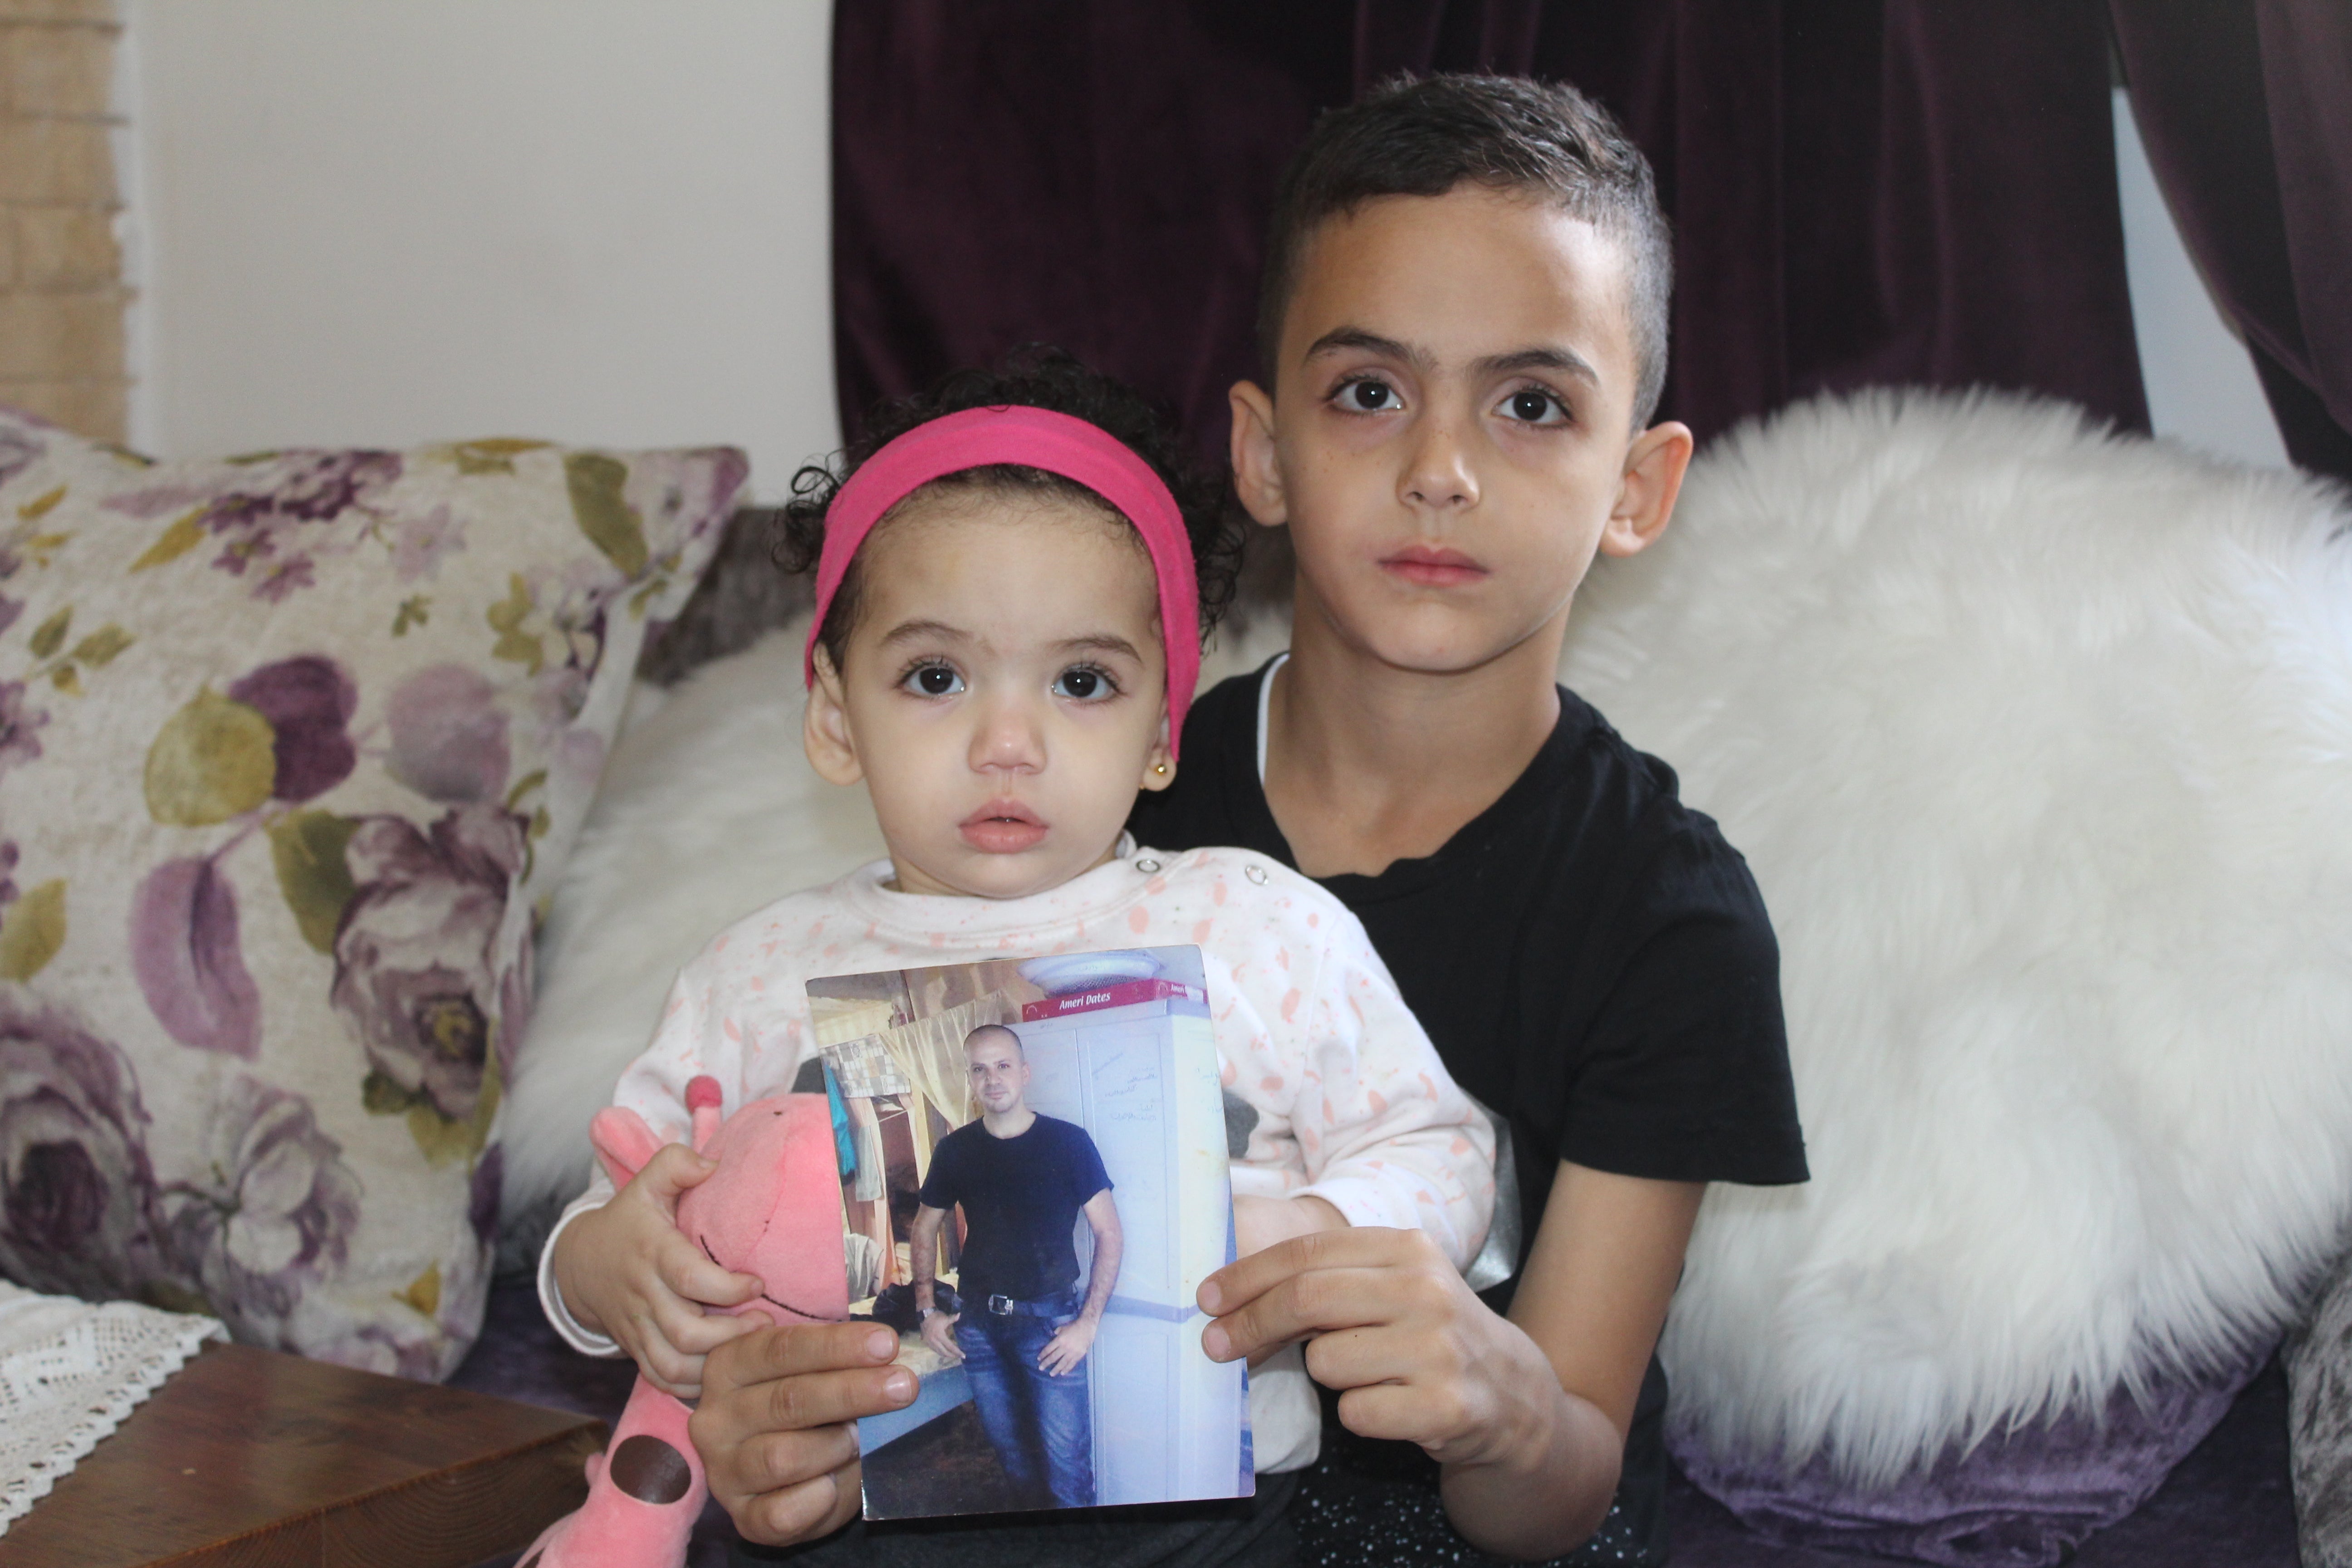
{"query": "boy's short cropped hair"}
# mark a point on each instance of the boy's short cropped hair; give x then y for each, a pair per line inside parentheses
(1422, 136)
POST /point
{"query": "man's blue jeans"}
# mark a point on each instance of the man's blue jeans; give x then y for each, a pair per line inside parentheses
(1039, 1424)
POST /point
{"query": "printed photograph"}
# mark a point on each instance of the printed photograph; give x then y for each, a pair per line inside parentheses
(1034, 1185)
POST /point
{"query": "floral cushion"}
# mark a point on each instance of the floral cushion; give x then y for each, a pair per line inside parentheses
(292, 750)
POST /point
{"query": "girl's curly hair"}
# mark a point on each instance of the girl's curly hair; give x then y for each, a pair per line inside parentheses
(1035, 376)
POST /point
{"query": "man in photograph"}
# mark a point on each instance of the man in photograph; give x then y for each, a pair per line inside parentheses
(1024, 1334)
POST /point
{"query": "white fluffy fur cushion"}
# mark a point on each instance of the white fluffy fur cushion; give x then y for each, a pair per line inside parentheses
(707, 811)
(2039, 744)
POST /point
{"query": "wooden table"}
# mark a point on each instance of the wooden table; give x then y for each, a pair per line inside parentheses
(249, 1458)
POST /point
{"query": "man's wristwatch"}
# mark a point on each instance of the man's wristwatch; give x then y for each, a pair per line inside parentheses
(923, 1312)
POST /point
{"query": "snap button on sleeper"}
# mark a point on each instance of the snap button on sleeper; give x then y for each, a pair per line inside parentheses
(1255, 874)
(1147, 867)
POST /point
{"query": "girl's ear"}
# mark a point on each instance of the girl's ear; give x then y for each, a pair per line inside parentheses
(1159, 765)
(1257, 476)
(824, 727)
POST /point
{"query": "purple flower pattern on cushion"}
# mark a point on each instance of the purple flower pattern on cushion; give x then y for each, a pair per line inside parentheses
(448, 735)
(308, 702)
(420, 543)
(415, 961)
(273, 1213)
(18, 450)
(268, 515)
(20, 724)
(78, 1196)
(271, 785)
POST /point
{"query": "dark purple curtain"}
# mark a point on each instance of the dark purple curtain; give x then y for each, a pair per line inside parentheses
(1862, 191)
(2245, 106)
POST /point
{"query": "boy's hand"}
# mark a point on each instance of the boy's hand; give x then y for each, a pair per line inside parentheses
(1416, 1355)
(625, 1271)
(774, 1428)
(1259, 1223)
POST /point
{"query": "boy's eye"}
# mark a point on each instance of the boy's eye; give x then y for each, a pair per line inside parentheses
(933, 681)
(1083, 683)
(1367, 397)
(1532, 405)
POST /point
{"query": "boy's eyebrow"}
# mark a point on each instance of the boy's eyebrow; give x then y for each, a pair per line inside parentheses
(1547, 358)
(1370, 342)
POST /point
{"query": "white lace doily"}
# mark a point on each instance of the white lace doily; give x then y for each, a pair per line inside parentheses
(69, 1374)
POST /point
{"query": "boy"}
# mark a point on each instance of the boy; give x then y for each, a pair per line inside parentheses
(1464, 327)
(1464, 331)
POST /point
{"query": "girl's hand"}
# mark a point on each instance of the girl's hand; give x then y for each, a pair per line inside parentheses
(773, 1427)
(626, 1271)
(1415, 1355)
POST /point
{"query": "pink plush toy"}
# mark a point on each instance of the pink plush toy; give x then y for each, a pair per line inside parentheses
(772, 1208)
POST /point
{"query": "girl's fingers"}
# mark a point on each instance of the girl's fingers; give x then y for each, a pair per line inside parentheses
(702, 1332)
(691, 1275)
(673, 1169)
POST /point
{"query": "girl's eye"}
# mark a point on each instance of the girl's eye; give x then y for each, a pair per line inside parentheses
(1367, 397)
(1532, 405)
(1082, 683)
(933, 681)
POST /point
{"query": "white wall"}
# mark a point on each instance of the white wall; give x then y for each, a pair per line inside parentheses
(389, 221)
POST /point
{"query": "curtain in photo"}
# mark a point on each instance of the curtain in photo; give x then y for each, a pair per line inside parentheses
(929, 1051)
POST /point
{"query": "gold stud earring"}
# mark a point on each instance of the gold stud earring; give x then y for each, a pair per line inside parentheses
(1160, 768)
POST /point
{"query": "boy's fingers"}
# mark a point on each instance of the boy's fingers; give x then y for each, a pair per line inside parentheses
(1310, 1303)
(802, 1512)
(775, 1461)
(809, 1399)
(1396, 1412)
(1363, 1246)
(789, 1349)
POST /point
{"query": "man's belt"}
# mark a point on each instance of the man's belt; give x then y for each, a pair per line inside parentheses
(1054, 1306)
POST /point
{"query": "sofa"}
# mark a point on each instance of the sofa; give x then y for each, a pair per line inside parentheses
(408, 731)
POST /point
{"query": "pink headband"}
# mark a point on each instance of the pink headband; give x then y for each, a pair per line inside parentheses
(1037, 439)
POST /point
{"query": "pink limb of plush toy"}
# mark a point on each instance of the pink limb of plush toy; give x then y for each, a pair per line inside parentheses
(772, 1208)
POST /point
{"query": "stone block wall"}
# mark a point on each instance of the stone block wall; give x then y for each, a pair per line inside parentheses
(61, 293)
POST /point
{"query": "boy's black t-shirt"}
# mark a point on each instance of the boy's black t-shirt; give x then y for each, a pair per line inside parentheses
(1589, 957)
(1021, 1198)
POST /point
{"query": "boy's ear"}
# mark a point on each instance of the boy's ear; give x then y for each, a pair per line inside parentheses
(1257, 475)
(824, 727)
(1653, 478)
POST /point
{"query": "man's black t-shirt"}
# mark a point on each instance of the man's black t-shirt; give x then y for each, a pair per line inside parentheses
(1020, 1199)
(1589, 956)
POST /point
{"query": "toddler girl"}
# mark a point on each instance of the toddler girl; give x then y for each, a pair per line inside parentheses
(1009, 609)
